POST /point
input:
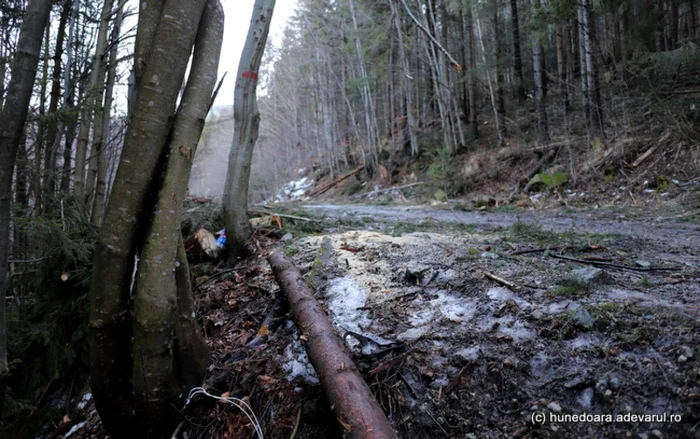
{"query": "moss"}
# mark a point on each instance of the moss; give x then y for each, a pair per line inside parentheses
(569, 287)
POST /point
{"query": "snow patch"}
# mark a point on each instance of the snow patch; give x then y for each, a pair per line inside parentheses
(343, 298)
(503, 295)
(295, 190)
(86, 398)
(75, 428)
(298, 364)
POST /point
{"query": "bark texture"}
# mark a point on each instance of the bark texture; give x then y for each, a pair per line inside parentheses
(127, 215)
(356, 409)
(167, 362)
(246, 125)
(12, 119)
(517, 56)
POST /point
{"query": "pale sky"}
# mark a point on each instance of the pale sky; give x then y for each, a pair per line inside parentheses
(237, 19)
(238, 13)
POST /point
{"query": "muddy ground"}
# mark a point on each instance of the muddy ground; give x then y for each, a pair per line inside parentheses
(553, 336)
(484, 322)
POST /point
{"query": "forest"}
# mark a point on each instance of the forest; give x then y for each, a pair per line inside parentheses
(418, 218)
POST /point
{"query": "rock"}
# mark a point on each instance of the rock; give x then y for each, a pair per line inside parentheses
(686, 351)
(470, 354)
(643, 436)
(555, 407)
(642, 263)
(585, 399)
(656, 433)
(537, 314)
(489, 255)
(682, 359)
(615, 383)
(287, 237)
(583, 319)
(592, 275)
(446, 276)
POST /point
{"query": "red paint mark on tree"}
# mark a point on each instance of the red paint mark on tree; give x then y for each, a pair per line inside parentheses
(252, 75)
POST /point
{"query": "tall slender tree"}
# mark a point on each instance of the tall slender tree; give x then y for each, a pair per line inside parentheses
(517, 55)
(14, 114)
(246, 127)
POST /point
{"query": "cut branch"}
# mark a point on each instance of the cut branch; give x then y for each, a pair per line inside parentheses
(612, 265)
(356, 410)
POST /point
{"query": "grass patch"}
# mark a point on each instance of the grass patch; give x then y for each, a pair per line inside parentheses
(529, 232)
(570, 287)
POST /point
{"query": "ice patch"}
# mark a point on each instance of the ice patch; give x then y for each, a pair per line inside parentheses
(75, 428)
(86, 398)
(343, 298)
(298, 364)
(412, 334)
(503, 295)
(455, 308)
(295, 190)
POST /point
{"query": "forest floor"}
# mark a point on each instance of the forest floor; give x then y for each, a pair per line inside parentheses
(500, 323)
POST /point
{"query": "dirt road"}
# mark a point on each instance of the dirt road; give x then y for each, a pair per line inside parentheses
(602, 326)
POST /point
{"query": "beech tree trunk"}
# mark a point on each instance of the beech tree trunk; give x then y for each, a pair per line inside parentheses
(246, 125)
(353, 404)
(138, 395)
(13, 117)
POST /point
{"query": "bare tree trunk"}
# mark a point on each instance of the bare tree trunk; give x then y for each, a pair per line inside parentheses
(94, 98)
(593, 83)
(131, 204)
(14, 115)
(538, 70)
(673, 6)
(561, 68)
(406, 85)
(367, 101)
(68, 100)
(53, 137)
(583, 68)
(473, 116)
(492, 84)
(246, 124)
(98, 204)
(500, 98)
(517, 57)
(40, 141)
(165, 376)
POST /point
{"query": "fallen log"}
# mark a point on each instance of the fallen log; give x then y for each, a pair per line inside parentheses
(355, 408)
(325, 187)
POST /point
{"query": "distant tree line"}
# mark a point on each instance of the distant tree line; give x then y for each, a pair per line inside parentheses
(363, 81)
